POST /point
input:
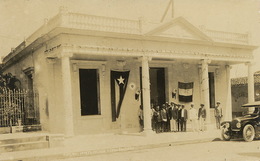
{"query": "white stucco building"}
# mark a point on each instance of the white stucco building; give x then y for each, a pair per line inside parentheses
(70, 58)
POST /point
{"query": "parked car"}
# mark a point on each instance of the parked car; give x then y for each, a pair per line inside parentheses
(246, 126)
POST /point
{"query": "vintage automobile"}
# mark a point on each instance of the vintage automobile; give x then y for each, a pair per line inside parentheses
(246, 127)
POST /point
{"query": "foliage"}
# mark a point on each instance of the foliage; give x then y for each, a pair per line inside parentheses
(8, 81)
(10, 110)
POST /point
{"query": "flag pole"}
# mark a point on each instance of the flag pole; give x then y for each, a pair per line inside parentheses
(172, 8)
(167, 9)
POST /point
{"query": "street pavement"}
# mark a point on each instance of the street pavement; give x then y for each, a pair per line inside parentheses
(92, 145)
(236, 150)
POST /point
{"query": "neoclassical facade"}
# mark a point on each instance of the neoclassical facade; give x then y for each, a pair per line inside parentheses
(72, 55)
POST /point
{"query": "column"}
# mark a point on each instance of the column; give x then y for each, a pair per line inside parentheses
(205, 87)
(228, 111)
(146, 95)
(200, 87)
(67, 95)
(250, 82)
(52, 95)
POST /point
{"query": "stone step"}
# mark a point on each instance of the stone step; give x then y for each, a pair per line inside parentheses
(29, 141)
(24, 128)
(17, 140)
(24, 146)
(4, 130)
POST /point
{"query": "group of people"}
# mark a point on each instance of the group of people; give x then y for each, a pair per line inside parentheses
(172, 117)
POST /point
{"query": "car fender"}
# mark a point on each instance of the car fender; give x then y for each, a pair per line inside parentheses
(244, 123)
(224, 122)
(223, 125)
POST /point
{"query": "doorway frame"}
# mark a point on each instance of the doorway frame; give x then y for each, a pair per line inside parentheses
(166, 75)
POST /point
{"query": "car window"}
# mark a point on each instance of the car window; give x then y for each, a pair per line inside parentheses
(254, 110)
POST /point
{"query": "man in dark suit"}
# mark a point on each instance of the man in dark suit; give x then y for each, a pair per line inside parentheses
(179, 117)
(169, 117)
(184, 117)
(164, 118)
(174, 116)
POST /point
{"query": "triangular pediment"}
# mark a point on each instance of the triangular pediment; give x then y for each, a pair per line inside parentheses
(179, 28)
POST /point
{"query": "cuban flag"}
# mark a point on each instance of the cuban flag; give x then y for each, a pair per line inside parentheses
(185, 91)
(119, 80)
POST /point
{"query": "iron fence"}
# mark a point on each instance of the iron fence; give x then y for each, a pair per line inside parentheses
(18, 107)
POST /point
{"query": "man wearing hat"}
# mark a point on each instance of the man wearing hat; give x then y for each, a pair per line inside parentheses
(184, 118)
(164, 118)
(202, 117)
(174, 116)
(179, 117)
(169, 117)
(218, 114)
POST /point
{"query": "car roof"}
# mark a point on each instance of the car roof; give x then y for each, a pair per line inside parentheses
(252, 104)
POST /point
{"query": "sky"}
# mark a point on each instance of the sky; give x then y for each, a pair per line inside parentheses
(20, 18)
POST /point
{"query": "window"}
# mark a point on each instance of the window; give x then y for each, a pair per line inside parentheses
(30, 82)
(29, 73)
(89, 92)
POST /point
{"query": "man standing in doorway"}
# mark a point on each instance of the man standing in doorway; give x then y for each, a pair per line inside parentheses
(218, 114)
(183, 118)
(202, 117)
(193, 115)
(164, 118)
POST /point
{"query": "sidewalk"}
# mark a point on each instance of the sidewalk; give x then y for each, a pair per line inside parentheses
(86, 145)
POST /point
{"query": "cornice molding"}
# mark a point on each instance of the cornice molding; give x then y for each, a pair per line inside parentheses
(134, 52)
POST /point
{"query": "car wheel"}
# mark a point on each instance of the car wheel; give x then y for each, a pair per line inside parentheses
(225, 135)
(248, 133)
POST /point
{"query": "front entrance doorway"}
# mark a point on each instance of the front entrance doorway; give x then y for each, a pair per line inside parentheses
(157, 86)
